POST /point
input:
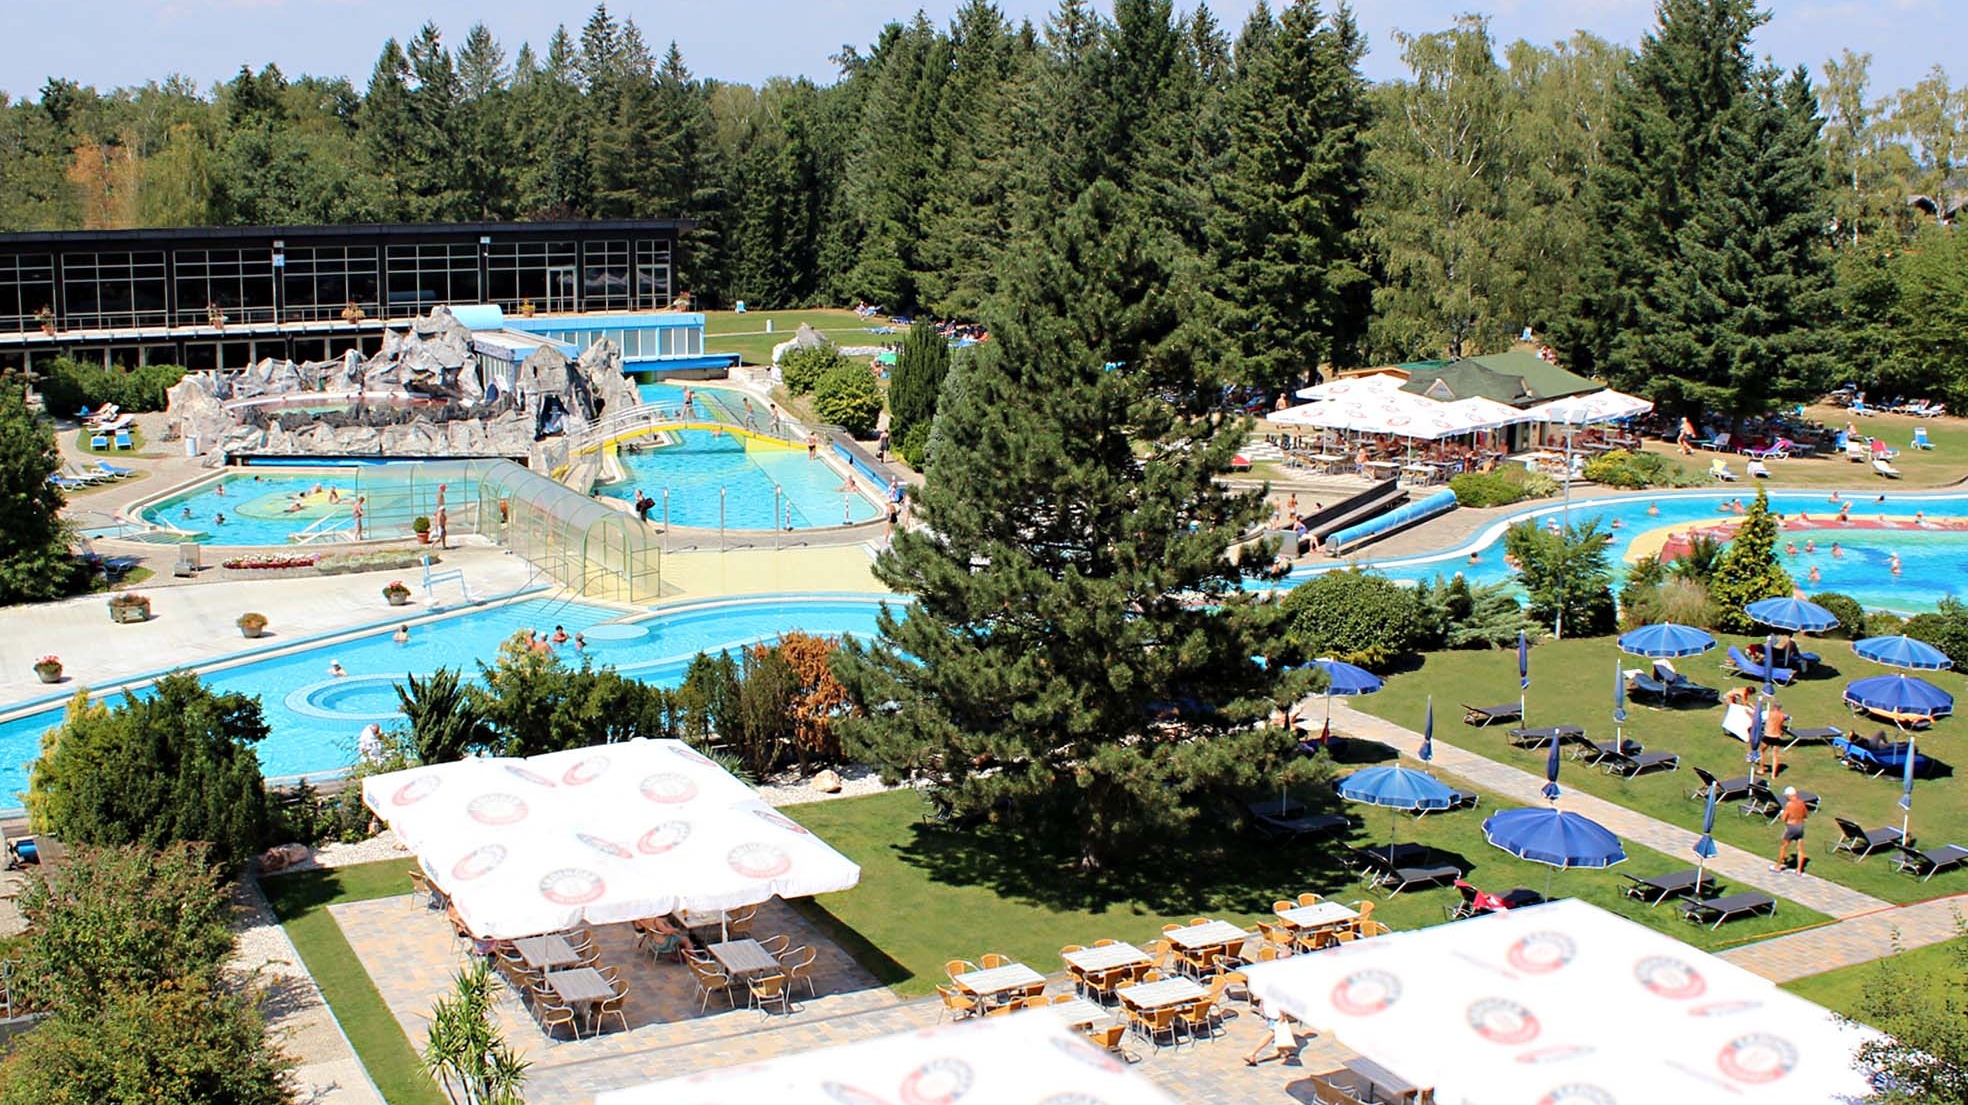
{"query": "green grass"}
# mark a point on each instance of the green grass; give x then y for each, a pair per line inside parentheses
(301, 902)
(1945, 464)
(136, 444)
(929, 894)
(729, 332)
(1572, 684)
(1843, 990)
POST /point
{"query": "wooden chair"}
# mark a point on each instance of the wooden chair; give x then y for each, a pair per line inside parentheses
(799, 968)
(992, 961)
(1363, 908)
(769, 990)
(709, 981)
(1194, 921)
(1109, 1039)
(1070, 949)
(739, 925)
(1154, 1024)
(420, 887)
(1159, 952)
(1100, 985)
(1105, 943)
(1033, 992)
(1367, 929)
(1197, 1016)
(1171, 927)
(956, 1005)
(553, 1016)
(1309, 898)
(956, 967)
(611, 975)
(612, 1006)
(773, 945)
(1151, 975)
(1271, 952)
(1230, 981)
(1281, 905)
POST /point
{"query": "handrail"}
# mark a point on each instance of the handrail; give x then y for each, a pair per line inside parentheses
(305, 533)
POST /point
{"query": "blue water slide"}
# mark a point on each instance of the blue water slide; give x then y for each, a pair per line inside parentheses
(1399, 517)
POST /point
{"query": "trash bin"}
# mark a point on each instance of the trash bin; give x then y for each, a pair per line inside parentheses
(190, 558)
(191, 445)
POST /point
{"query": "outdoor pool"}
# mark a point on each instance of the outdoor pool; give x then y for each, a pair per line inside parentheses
(701, 469)
(315, 717)
(1933, 555)
(258, 508)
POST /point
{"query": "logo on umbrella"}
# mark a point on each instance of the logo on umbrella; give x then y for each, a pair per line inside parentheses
(692, 755)
(937, 1082)
(530, 776)
(479, 862)
(1723, 1008)
(604, 846)
(496, 809)
(571, 886)
(664, 837)
(1578, 1093)
(1542, 1055)
(772, 818)
(1667, 977)
(848, 1095)
(1364, 993)
(416, 790)
(1099, 1060)
(1757, 1057)
(1541, 953)
(759, 861)
(1502, 1021)
(587, 771)
(669, 788)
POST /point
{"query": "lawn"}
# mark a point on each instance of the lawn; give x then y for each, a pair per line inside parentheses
(1571, 683)
(929, 894)
(1943, 465)
(730, 332)
(301, 902)
(1936, 968)
(136, 444)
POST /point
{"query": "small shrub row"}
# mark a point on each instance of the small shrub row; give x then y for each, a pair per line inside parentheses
(1632, 471)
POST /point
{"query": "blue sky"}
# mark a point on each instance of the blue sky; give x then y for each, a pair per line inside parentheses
(116, 42)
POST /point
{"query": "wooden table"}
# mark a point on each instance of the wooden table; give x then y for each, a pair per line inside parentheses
(1382, 1084)
(1169, 991)
(581, 985)
(546, 952)
(1318, 915)
(996, 980)
(1215, 934)
(1107, 958)
(1080, 1013)
(743, 957)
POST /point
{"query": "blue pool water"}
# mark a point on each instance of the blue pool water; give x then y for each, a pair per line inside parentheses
(254, 506)
(701, 464)
(315, 717)
(1934, 562)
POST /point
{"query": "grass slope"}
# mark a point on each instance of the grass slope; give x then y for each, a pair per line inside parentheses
(1943, 465)
(301, 902)
(1571, 683)
(1935, 968)
(746, 334)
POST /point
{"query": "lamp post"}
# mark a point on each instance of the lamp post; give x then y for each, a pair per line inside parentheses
(772, 523)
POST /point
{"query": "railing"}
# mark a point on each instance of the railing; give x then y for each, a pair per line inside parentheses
(316, 528)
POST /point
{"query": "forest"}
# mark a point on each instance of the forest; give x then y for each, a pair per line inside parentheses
(1747, 237)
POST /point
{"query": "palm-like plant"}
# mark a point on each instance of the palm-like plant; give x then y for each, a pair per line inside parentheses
(447, 716)
(464, 1049)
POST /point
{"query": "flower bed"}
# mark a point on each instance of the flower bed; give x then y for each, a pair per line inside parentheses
(268, 563)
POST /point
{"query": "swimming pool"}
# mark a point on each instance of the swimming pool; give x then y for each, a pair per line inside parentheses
(315, 717)
(702, 468)
(240, 508)
(1934, 561)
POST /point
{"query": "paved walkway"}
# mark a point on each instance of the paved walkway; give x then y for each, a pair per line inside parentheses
(1853, 940)
(1730, 862)
(299, 1022)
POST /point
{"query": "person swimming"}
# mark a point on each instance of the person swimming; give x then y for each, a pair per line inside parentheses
(1653, 510)
(336, 669)
(1834, 497)
(185, 513)
(1845, 512)
(1475, 558)
(402, 634)
(580, 642)
(1815, 574)
(1810, 546)
(1836, 552)
(559, 635)
(1790, 548)
(1894, 564)
(219, 518)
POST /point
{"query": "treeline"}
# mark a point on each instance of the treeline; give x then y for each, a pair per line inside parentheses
(1728, 240)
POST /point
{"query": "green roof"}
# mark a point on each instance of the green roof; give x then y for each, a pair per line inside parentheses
(1519, 379)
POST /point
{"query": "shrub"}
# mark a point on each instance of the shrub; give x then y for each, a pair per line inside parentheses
(913, 446)
(1851, 616)
(802, 369)
(252, 623)
(1642, 579)
(179, 765)
(1360, 617)
(1749, 569)
(1479, 489)
(1536, 485)
(68, 385)
(1620, 468)
(1566, 576)
(1945, 629)
(849, 397)
(918, 379)
(1698, 563)
(1881, 623)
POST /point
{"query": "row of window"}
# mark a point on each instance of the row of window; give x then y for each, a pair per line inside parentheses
(660, 341)
(315, 283)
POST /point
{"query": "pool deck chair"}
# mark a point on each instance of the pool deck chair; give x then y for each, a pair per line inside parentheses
(1713, 911)
(1740, 664)
(1886, 469)
(1655, 889)
(1718, 444)
(1928, 862)
(1480, 716)
(1727, 790)
(1620, 761)
(1861, 841)
(452, 575)
(123, 440)
(1291, 828)
(1407, 878)
(1459, 800)
(1542, 735)
(1920, 438)
(1761, 801)
(1719, 470)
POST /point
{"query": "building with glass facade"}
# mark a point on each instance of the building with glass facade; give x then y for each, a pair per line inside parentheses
(226, 297)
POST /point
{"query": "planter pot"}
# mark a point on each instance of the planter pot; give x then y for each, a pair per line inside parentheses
(398, 600)
(49, 676)
(424, 538)
(250, 631)
(129, 613)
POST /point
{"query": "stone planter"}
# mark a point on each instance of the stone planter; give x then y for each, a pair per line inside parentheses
(251, 631)
(49, 675)
(397, 600)
(121, 614)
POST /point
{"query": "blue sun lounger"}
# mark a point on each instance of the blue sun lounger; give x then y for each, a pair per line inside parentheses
(1887, 760)
(1743, 665)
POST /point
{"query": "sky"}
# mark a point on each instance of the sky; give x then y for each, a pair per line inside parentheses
(109, 43)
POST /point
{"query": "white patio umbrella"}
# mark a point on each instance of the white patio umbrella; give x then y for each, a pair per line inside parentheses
(1598, 406)
(1353, 387)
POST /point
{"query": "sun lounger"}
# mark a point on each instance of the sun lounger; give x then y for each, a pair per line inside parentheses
(1480, 716)
(1920, 439)
(1761, 801)
(1928, 862)
(123, 440)
(1776, 450)
(1887, 760)
(1740, 664)
(1291, 828)
(115, 469)
(1539, 736)
(99, 441)
(1717, 910)
(1861, 841)
(1719, 470)
(1719, 443)
(1594, 752)
(1813, 734)
(1680, 686)
(1461, 800)
(1655, 889)
(1407, 878)
(1933, 410)
(1885, 469)
(67, 484)
(1727, 790)
(1631, 763)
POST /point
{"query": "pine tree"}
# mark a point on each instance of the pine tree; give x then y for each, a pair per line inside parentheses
(386, 123)
(1749, 570)
(484, 85)
(1069, 523)
(551, 136)
(1288, 192)
(966, 212)
(914, 386)
(436, 155)
(889, 172)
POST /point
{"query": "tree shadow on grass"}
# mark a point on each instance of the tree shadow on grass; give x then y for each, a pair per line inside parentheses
(849, 940)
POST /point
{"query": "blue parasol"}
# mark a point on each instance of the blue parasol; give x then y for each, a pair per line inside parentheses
(1523, 673)
(1794, 614)
(1398, 787)
(1906, 793)
(1769, 664)
(1666, 640)
(1755, 755)
(1428, 732)
(1619, 693)
(1345, 679)
(1705, 847)
(1555, 837)
(1899, 694)
(1902, 652)
(1551, 771)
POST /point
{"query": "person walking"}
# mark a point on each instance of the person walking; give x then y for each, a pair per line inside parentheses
(1279, 1039)
(1685, 437)
(442, 521)
(881, 446)
(1793, 815)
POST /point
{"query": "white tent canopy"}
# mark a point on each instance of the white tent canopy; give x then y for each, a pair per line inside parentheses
(1566, 1002)
(1597, 406)
(1026, 1058)
(604, 834)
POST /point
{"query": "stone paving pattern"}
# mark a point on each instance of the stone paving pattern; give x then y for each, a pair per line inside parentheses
(1853, 940)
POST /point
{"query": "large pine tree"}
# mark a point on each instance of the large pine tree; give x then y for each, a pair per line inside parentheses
(1060, 668)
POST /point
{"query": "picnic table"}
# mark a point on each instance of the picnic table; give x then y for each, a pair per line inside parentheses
(1079, 1013)
(546, 952)
(579, 986)
(1319, 915)
(1169, 991)
(996, 980)
(1107, 958)
(743, 957)
(1211, 935)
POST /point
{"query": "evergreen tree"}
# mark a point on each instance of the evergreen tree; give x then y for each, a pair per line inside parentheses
(387, 126)
(1749, 569)
(1034, 675)
(1287, 197)
(966, 212)
(889, 172)
(551, 136)
(35, 564)
(914, 386)
(485, 98)
(436, 155)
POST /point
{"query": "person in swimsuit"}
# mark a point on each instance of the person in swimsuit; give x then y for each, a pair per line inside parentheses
(1794, 814)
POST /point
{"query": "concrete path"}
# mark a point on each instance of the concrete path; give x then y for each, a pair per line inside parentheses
(1853, 940)
(1731, 863)
(299, 1022)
